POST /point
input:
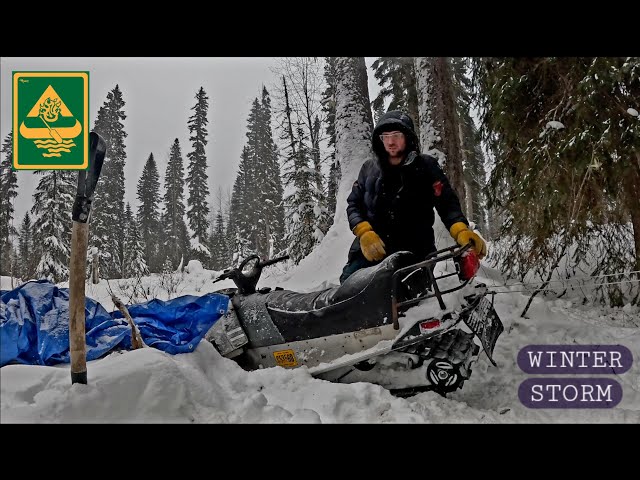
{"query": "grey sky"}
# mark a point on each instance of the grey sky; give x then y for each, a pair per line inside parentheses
(159, 94)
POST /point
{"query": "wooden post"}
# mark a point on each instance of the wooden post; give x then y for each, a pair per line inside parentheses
(87, 181)
(77, 343)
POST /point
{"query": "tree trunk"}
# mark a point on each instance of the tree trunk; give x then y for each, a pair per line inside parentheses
(95, 267)
(446, 120)
(632, 197)
(469, 186)
(439, 127)
(354, 125)
(412, 96)
(287, 110)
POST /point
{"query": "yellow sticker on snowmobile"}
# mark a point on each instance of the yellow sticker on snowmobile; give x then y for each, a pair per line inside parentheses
(285, 358)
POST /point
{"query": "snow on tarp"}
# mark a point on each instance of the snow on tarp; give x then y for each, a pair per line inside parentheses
(34, 324)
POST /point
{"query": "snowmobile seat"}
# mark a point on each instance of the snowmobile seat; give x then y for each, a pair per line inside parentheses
(362, 301)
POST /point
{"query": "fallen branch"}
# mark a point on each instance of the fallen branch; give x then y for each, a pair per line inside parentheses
(136, 339)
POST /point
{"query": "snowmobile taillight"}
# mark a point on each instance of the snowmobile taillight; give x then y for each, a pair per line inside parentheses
(469, 265)
(429, 325)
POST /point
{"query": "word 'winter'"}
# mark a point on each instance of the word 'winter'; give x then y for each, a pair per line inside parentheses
(575, 359)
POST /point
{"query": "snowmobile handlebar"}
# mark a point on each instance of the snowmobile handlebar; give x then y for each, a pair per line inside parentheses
(247, 274)
(266, 263)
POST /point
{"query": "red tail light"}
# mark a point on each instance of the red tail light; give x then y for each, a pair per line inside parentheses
(429, 325)
(469, 265)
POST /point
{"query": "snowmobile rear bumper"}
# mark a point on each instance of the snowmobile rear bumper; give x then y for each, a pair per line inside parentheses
(424, 270)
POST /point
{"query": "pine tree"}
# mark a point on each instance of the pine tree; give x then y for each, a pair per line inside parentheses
(134, 262)
(52, 202)
(108, 205)
(176, 237)
(26, 249)
(198, 210)
(148, 195)
(8, 191)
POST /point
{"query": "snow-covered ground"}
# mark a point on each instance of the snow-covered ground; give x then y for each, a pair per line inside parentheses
(147, 385)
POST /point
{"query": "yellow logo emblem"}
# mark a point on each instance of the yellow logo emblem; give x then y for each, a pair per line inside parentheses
(51, 116)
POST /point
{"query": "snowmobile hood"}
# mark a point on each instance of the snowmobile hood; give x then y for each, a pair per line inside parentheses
(394, 120)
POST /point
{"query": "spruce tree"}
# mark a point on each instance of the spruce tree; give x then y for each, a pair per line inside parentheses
(301, 102)
(134, 264)
(301, 229)
(239, 226)
(176, 237)
(8, 191)
(256, 222)
(219, 250)
(198, 209)
(297, 175)
(329, 108)
(255, 178)
(26, 249)
(397, 79)
(108, 205)
(567, 170)
(267, 156)
(52, 203)
(148, 195)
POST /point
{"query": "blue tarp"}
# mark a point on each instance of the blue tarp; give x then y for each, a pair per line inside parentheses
(34, 324)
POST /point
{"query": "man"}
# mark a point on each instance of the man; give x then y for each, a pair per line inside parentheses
(390, 207)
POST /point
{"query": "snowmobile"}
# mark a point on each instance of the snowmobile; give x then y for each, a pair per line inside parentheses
(387, 324)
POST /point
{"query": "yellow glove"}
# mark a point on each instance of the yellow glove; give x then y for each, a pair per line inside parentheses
(462, 235)
(370, 243)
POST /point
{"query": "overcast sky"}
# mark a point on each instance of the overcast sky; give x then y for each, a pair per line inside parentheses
(159, 94)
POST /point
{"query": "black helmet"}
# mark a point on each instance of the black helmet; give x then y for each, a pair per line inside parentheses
(394, 120)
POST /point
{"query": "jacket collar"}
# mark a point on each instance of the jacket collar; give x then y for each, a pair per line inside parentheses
(410, 158)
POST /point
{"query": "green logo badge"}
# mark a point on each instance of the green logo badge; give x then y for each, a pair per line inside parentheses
(50, 120)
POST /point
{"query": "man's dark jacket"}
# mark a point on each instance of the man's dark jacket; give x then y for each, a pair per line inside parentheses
(398, 201)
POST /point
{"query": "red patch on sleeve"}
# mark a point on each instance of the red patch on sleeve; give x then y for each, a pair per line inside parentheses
(437, 188)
